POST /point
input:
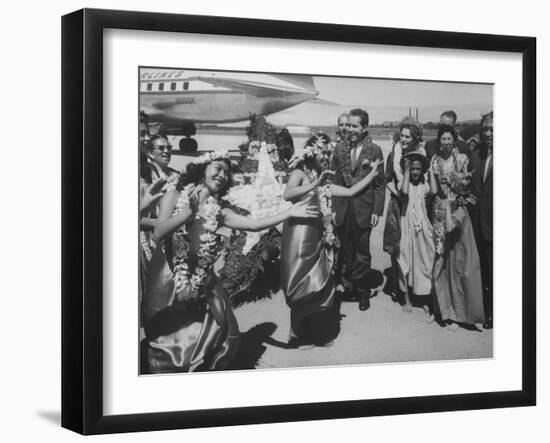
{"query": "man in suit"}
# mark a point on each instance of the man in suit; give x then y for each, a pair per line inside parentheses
(356, 216)
(482, 211)
(431, 146)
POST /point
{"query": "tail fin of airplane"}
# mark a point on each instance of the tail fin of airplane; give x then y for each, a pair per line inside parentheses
(304, 81)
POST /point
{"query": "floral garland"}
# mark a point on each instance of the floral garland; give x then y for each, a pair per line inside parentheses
(171, 178)
(325, 206)
(458, 180)
(209, 157)
(186, 285)
(146, 245)
(327, 216)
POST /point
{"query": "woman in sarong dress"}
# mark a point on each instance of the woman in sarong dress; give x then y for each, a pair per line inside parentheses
(307, 250)
(188, 321)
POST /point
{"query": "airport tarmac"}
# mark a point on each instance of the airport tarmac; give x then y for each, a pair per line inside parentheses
(382, 334)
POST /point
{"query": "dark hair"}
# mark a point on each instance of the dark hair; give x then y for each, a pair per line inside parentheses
(362, 114)
(145, 168)
(156, 137)
(313, 139)
(451, 114)
(285, 144)
(447, 128)
(312, 163)
(194, 173)
(485, 117)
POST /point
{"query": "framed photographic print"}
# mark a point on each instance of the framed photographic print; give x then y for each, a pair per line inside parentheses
(277, 221)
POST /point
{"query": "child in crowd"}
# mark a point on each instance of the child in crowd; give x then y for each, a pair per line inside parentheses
(416, 249)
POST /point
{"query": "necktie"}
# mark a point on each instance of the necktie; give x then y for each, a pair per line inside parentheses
(353, 156)
(487, 166)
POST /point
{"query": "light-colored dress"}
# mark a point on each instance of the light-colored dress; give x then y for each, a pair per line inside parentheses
(456, 272)
(417, 250)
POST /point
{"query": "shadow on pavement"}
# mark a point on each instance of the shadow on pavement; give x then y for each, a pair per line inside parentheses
(252, 345)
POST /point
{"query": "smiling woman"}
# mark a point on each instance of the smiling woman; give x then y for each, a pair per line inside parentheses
(188, 321)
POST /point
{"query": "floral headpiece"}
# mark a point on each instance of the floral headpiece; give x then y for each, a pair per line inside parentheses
(302, 154)
(319, 139)
(209, 157)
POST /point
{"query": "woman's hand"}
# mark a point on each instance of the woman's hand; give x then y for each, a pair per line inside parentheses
(374, 165)
(303, 209)
(152, 194)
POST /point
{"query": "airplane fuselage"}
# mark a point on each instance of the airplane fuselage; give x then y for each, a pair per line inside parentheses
(172, 97)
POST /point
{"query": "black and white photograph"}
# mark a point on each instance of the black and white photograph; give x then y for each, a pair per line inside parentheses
(292, 221)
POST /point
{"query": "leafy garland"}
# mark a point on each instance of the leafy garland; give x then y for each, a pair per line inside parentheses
(189, 286)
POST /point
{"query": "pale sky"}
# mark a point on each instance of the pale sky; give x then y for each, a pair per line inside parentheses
(389, 100)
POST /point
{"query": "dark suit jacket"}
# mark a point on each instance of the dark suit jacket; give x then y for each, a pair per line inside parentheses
(371, 199)
(431, 147)
(482, 212)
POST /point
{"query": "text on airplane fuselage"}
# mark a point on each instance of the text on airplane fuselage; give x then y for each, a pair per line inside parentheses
(160, 75)
(185, 100)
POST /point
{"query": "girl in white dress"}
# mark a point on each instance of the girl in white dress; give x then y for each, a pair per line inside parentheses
(416, 249)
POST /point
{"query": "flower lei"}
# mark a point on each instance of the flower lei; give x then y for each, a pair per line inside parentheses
(327, 216)
(146, 245)
(458, 180)
(171, 178)
(343, 160)
(186, 285)
(209, 157)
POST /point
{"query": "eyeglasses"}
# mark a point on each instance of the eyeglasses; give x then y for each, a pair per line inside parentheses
(161, 148)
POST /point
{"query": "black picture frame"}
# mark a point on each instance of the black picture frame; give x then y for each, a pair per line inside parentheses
(82, 218)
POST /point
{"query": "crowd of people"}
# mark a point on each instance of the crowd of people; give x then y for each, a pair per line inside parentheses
(437, 231)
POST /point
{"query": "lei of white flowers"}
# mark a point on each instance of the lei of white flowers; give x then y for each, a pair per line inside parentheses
(188, 286)
(146, 245)
(325, 205)
(209, 157)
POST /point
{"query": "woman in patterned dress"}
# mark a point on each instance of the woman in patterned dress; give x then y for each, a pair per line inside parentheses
(456, 272)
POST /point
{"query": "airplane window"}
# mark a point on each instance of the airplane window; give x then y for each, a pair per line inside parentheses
(185, 86)
(173, 86)
(161, 86)
(149, 86)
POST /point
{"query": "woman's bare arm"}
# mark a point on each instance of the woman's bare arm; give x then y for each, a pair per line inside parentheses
(341, 191)
(240, 222)
(166, 223)
(295, 189)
